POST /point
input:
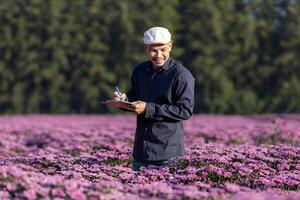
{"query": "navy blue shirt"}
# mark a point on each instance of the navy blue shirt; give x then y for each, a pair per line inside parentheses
(169, 96)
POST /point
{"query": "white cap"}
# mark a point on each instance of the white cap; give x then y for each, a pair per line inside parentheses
(157, 35)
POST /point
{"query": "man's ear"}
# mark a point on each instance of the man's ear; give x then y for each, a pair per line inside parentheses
(145, 48)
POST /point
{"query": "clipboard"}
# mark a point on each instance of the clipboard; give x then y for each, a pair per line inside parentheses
(118, 104)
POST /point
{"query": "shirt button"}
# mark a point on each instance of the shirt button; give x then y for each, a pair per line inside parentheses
(146, 129)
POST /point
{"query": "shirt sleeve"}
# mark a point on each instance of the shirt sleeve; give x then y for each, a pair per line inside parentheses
(183, 106)
(131, 93)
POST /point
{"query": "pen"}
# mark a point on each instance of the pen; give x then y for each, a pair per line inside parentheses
(117, 90)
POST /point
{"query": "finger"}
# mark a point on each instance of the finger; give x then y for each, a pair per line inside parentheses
(134, 103)
(123, 96)
(130, 108)
(117, 98)
(116, 94)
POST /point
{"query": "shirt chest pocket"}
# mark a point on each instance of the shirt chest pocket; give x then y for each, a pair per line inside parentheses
(161, 91)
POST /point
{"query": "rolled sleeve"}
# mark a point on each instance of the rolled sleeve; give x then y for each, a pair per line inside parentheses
(131, 94)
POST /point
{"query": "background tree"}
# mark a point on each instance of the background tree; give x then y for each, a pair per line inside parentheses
(66, 56)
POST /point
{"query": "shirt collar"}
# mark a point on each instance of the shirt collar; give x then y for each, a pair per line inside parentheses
(167, 64)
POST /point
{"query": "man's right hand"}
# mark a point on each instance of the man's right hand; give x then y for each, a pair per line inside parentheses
(118, 97)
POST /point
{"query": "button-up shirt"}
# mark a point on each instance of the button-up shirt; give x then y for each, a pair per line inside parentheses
(169, 96)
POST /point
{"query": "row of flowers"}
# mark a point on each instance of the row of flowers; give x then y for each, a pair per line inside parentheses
(89, 157)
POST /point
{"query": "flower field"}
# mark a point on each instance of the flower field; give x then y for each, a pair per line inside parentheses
(89, 157)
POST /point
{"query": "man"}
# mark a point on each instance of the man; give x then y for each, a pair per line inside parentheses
(162, 94)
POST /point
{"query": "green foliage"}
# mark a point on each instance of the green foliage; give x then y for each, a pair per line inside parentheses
(66, 56)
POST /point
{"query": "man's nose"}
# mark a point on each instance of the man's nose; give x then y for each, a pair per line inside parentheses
(159, 53)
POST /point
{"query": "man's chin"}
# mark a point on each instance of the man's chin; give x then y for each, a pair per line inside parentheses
(158, 64)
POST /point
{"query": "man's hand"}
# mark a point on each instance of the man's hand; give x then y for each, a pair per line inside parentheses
(139, 107)
(119, 97)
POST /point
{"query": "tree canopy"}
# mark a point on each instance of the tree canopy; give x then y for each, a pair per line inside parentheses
(66, 56)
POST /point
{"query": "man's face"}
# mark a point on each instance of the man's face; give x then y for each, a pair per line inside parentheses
(158, 54)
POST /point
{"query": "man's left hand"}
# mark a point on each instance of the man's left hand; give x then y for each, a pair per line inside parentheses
(139, 107)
